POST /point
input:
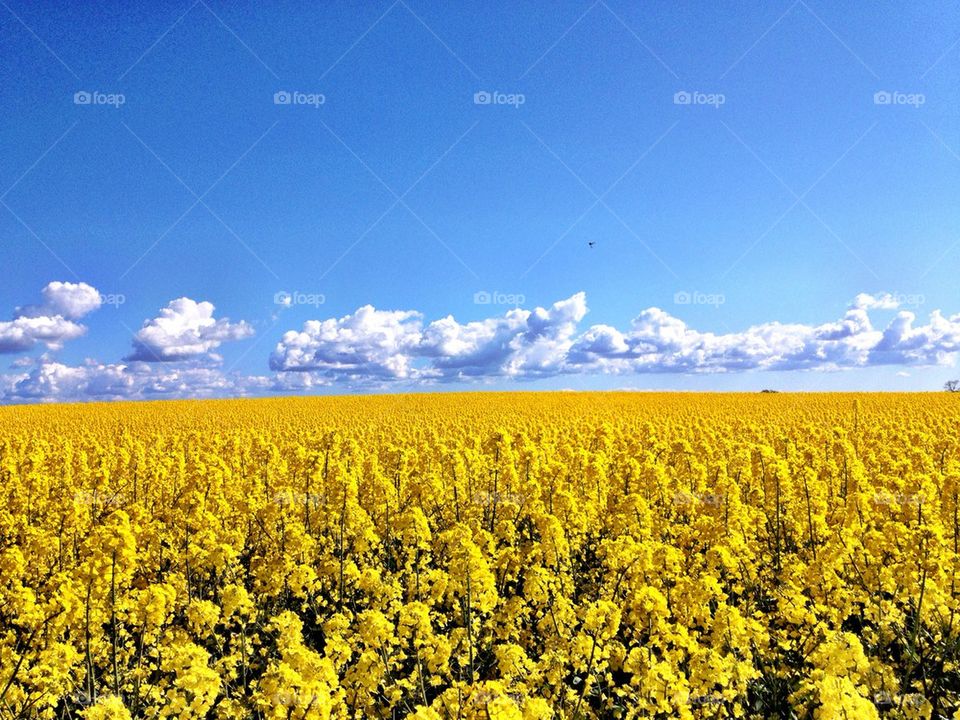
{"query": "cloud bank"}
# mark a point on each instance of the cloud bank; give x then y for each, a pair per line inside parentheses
(49, 380)
(373, 345)
(175, 353)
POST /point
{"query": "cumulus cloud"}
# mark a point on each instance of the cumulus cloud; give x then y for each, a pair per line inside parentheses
(903, 343)
(373, 345)
(52, 322)
(522, 343)
(659, 342)
(65, 299)
(184, 330)
(367, 343)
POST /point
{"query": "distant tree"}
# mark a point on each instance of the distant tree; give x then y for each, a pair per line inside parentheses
(952, 386)
(769, 391)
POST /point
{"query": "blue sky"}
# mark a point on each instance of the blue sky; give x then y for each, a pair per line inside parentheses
(732, 164)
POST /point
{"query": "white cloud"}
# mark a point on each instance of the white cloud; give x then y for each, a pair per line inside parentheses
(68, 300)
(184, 330)
(52, 322)
(24, 333)
(375, 346)
(935, 343)
(378, 349)
(882, 301)
(521, 343)
(50, 380)
(659, 342)
(367, 344)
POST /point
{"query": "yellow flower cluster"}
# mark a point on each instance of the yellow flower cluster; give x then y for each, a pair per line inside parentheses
(482, 556)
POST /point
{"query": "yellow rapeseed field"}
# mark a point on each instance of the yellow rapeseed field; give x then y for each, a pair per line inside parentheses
(568, 555)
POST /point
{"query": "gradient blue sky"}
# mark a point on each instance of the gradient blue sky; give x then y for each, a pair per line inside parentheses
(788, 200)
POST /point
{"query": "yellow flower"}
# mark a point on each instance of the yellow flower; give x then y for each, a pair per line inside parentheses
(107, 707)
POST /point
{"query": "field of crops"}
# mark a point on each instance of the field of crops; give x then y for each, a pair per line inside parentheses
(482, 556)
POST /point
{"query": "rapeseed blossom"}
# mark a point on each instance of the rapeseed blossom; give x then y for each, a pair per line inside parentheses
(482, 556)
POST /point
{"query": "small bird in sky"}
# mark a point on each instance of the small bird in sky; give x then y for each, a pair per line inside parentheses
(591, 243)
